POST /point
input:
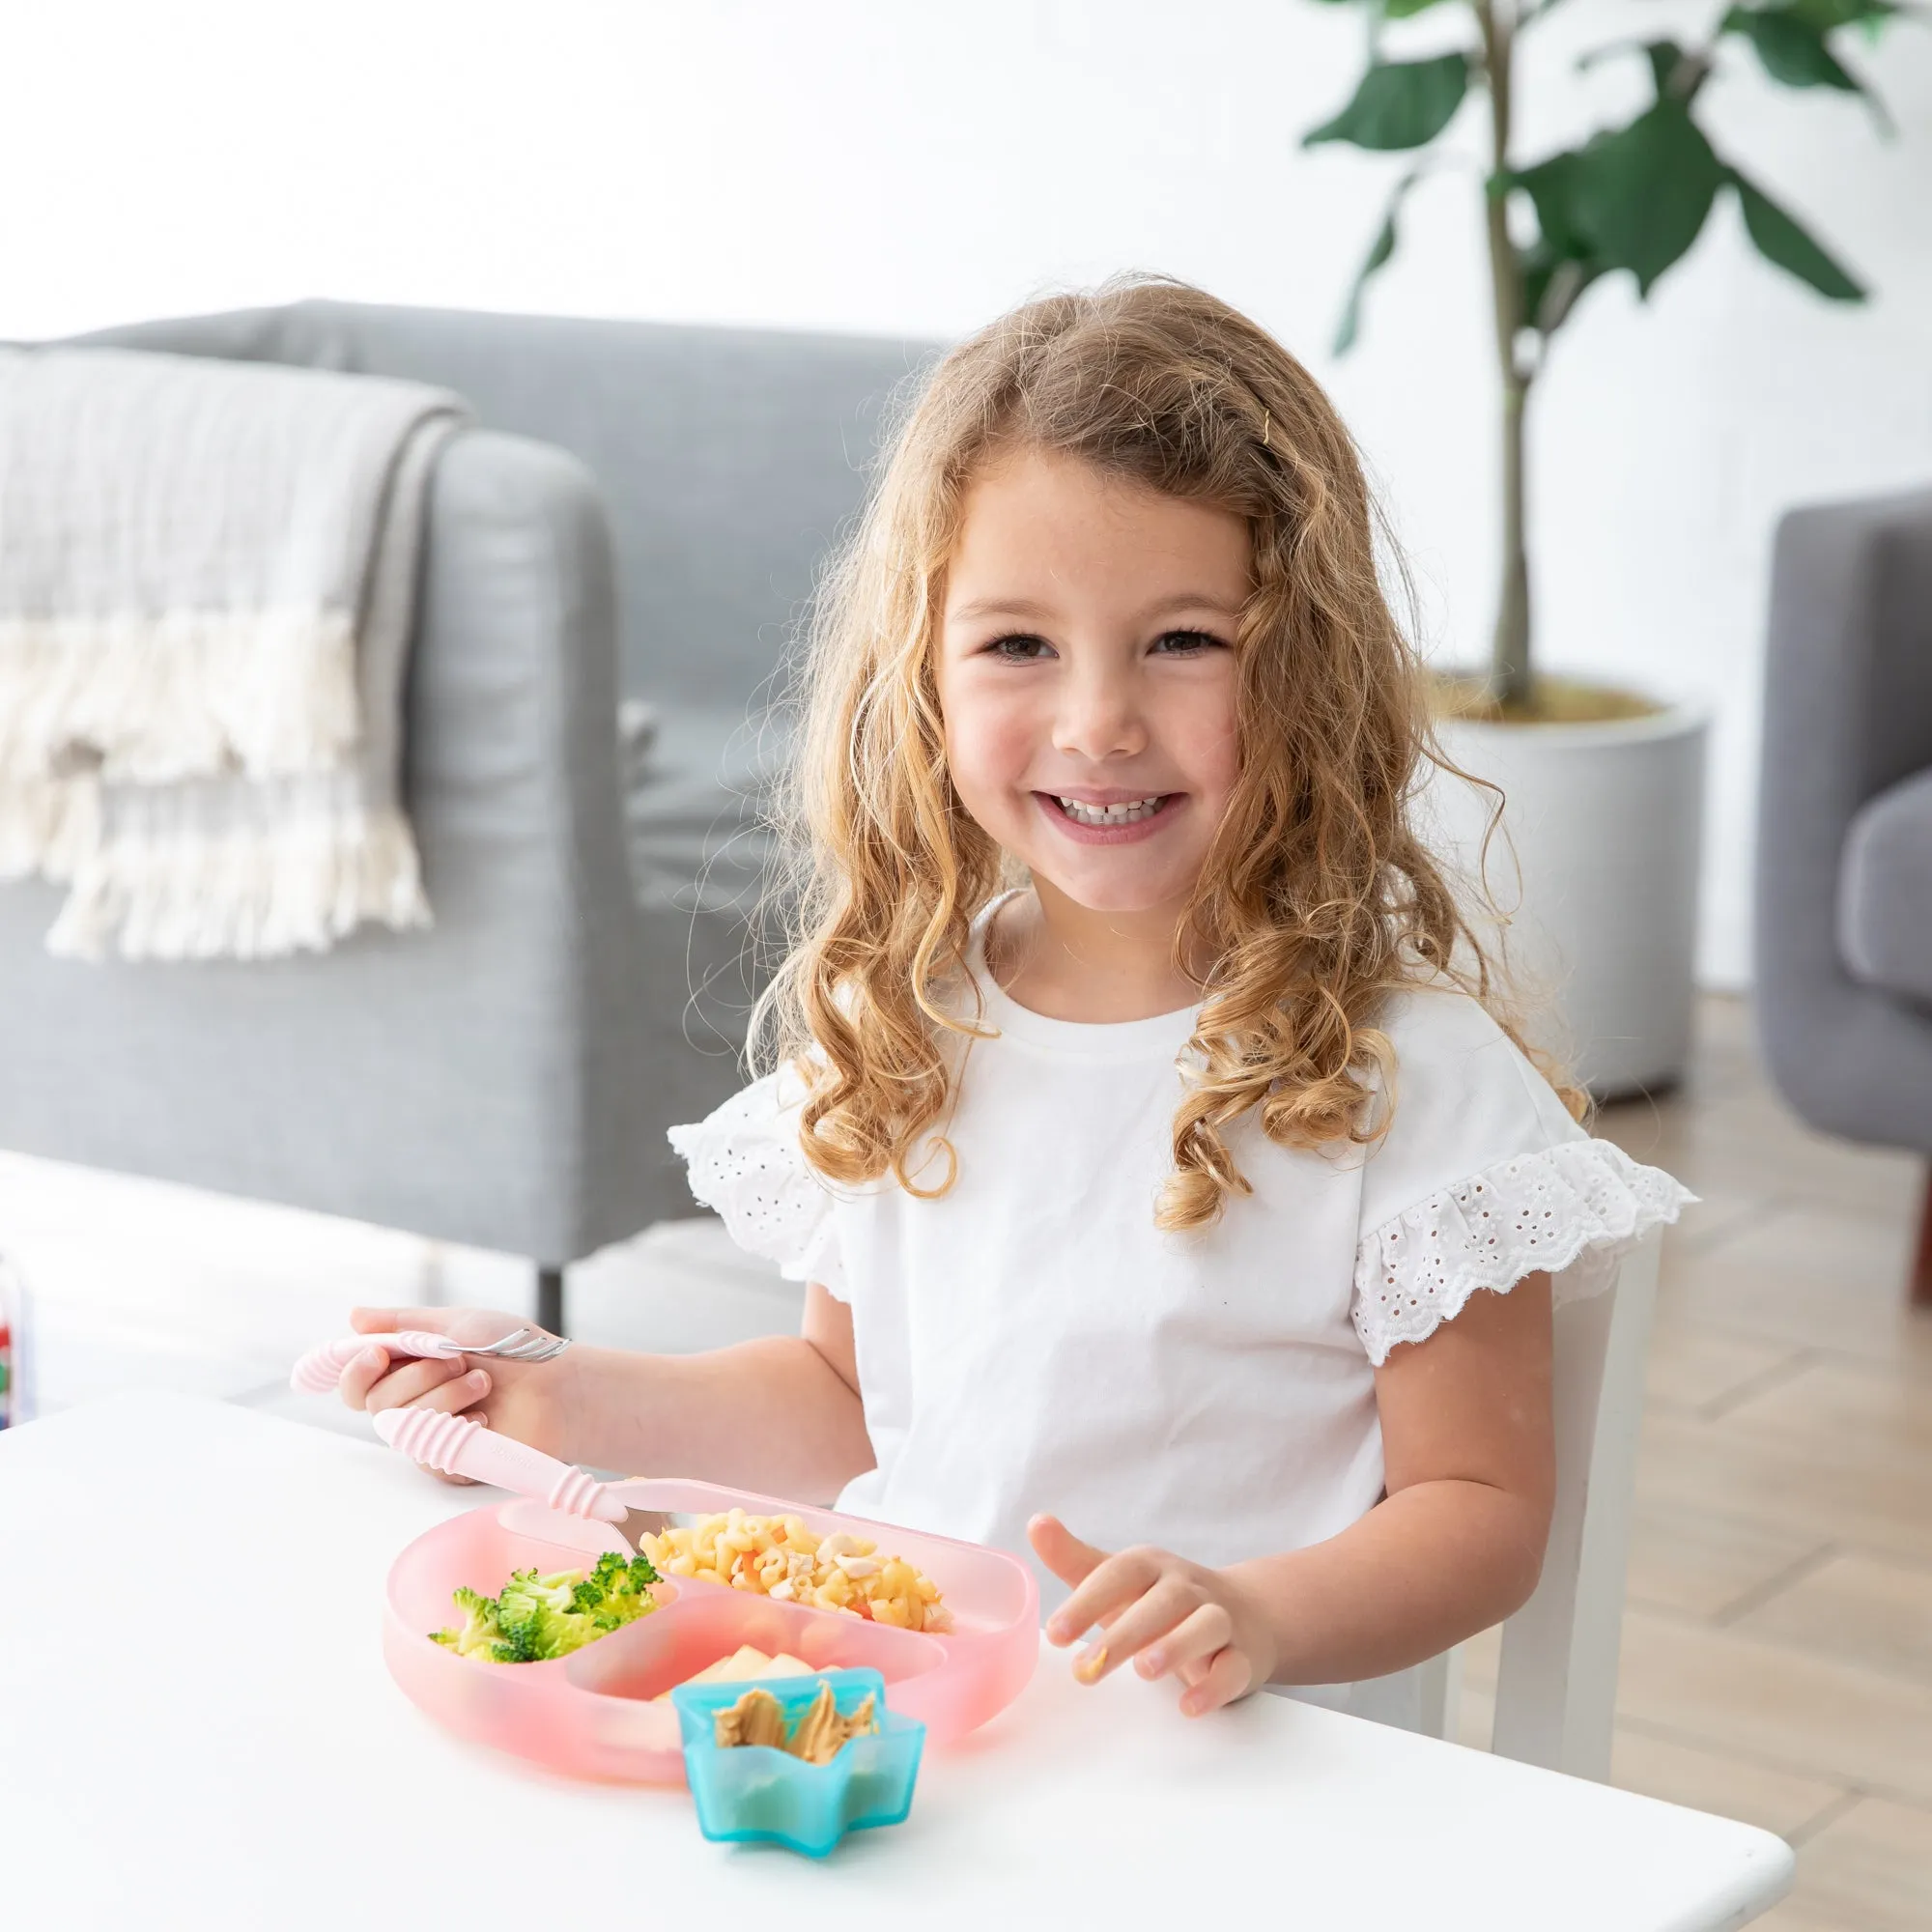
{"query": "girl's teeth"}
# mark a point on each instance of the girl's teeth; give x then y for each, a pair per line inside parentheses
(1112, 815)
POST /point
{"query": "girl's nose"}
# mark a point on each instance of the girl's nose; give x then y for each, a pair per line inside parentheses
(1099, 717)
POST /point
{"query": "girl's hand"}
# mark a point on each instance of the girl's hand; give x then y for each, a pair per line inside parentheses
(525, 1400)
(1174, 1618)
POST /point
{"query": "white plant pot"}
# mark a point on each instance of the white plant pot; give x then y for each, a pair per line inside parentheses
(1605, 827)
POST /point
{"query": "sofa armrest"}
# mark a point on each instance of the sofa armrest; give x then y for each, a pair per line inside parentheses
(514, 789)
(478, 1082)
(1848, 713)
(512, 693)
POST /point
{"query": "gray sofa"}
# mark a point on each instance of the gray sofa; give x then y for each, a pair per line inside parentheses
(640, 510)
(1844, 858)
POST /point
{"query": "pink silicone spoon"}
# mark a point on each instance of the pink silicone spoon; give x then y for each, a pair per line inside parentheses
(461, 1447)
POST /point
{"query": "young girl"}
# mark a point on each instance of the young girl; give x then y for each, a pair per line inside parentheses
(1137, 1121)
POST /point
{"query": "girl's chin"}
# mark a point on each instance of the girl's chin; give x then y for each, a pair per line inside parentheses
(1102, 889)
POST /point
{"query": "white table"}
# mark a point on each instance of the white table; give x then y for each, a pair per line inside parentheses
(170, 1756)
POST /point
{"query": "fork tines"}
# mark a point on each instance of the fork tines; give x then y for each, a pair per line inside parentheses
(523, 1345)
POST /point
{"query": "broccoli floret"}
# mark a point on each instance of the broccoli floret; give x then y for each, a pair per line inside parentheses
(536, 1618)
(526, 1593)
(561, 1632)
(519, 1589)
(480, 1630)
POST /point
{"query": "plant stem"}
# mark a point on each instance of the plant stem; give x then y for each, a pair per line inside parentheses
(1510, 679)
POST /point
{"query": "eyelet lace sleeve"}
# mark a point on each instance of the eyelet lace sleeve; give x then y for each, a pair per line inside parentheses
(745, 1161)
(1572, 1210)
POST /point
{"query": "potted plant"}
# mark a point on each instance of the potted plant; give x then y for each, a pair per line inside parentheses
(1603, 785)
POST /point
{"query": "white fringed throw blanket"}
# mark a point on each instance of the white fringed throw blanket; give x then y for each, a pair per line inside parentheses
(207, 586)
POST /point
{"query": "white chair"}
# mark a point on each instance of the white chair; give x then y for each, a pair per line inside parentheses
(1556, 1685)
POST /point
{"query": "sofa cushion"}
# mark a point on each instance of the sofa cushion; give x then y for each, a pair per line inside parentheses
(1885, 891)
(696, 804)
(699, 790)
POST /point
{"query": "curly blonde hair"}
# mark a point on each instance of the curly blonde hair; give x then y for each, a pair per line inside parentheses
(1316, 899)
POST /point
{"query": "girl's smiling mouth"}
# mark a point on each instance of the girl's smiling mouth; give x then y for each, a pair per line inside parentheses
(1114, 818)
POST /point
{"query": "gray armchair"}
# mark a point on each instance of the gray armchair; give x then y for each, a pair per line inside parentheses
(640, 510)
(1844, 857)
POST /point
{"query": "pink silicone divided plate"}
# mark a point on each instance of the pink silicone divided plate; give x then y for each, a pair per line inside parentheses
(593, 1713)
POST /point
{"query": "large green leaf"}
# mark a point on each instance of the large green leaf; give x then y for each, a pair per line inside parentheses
(1400, 104)
(1633, 199)
(1640, 196)
(1404, 10)
(1791, 46)
(1379, 252)
(1551, 188)
(1780, 239)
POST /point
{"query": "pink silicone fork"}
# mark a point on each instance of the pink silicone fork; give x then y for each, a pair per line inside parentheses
(321, 1369)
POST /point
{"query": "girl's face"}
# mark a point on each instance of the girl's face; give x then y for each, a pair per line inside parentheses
(1088, 678)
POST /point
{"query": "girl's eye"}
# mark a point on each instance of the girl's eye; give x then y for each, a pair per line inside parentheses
(1018, 649)
(1022, 647)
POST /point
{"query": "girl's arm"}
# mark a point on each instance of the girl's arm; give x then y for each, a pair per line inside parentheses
(1455, 1546)
(780, 1416)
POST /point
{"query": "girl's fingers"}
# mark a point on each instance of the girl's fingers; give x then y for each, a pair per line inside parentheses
(456, 1394)
(367, 1383)
(1189, 1647)
(1229, 1676)
(1154, 1614)
(409, 1381)
(362, 1375)
(1107, 1591)
(1061, 1551)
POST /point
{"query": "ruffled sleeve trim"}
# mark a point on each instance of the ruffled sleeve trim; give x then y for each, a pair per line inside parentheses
(1573, 1210)
(744, 1160)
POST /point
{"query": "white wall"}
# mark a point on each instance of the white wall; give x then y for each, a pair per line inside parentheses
(888, 167)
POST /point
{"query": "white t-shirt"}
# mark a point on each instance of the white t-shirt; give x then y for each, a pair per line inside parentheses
(1031, 1341)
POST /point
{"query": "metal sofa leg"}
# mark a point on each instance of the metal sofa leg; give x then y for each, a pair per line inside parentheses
(1921, 1266)
(550, 1299)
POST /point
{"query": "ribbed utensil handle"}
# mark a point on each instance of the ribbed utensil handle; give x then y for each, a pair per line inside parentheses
(460, 1447)
(321, 1369)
